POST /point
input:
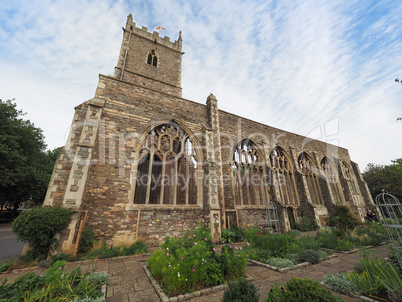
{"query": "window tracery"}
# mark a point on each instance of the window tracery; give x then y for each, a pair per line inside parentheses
(349, 178)
(332, 177)
(283, 170)
(308, 168)
(152, 58)
(248, 175)
(167, 167)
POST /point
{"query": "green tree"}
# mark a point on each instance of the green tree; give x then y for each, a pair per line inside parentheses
(25, 165)
(387, 177)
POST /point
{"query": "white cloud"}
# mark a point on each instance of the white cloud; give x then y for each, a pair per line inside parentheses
(292, 65)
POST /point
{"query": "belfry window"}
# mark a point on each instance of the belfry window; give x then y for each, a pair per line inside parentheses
(310, 172)
(152, 58)
(167, 168)
(248, 175)
(283, 170)
(332, 177)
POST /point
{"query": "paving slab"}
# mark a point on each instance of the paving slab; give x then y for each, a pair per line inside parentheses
(129, 283)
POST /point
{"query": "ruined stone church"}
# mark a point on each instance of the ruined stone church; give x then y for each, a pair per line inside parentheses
(141, 160)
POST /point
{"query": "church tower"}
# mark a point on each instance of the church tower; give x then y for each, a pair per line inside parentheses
(149, 60)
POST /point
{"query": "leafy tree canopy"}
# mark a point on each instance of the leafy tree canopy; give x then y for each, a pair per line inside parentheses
(25, 165)
(387, 177)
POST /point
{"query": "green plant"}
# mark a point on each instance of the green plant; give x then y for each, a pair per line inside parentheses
(189, 261)
(322, 254)
(279, 262)
(342, 283)
(297, 290)
(293, 257)
(306, 225)
(345, 245)
(308, 243)
(342, 219)
(99, 278)
(38, 227)
(56, 285)
(311, 256)
(328, 237)
(276, 293)
(366, 283)
(63, 256)
(110, 251)
(228, 236)
(88, 238)
(392, 280)
(241, 291)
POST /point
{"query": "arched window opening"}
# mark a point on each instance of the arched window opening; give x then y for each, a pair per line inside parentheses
(167, 168)
(284, 175)
(348, 176)
(309, 170)
(152, 58)
(332, 177)
(248, 175)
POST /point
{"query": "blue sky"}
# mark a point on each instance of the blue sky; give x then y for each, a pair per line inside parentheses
(324, 69)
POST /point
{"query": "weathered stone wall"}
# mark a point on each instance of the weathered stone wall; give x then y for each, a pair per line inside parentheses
(96, 170)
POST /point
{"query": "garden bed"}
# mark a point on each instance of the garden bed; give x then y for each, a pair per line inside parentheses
(187, 296)
(364, 298)
(289, 268)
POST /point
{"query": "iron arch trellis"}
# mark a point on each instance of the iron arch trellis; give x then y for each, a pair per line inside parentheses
(391, 211)
(272, 216)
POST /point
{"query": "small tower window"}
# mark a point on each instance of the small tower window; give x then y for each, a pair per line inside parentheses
(152, 58)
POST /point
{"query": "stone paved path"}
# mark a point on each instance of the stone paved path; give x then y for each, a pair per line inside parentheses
(129, 283)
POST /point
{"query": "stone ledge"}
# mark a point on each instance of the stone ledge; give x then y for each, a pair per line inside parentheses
(184, 297)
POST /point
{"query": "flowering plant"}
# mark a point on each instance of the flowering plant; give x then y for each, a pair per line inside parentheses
(189, 261)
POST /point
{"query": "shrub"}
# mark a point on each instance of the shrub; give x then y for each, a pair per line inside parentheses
(342, 219)
(322, 254)
(111, 251)
(328, 237)
(280, 262)
(87, 240)
(241, 291)
(297, 290)
(240, 233)
(293, 257)
(308, 243)
(345, 245)
(306, 225)
(228, 236)
(63, 256)
(38, 227)
(311, 256)
(342, 283)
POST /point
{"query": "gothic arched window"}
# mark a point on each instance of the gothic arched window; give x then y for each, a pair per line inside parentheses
(167, 168)
(283, 169)
(152, 58)
(332, 177)
(309, 170)
(248, 175)
(349, 178)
